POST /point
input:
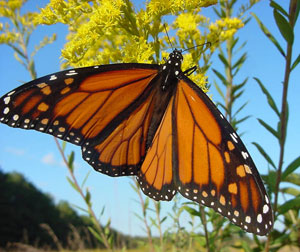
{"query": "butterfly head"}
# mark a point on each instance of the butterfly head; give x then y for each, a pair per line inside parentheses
(173, 63)
(175, 56)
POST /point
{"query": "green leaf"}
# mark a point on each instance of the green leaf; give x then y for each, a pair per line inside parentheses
(219, 90)
(291, 190)
(239, 110)
(80, 208)
(269, 128)
(264, 154)
(246, 246)
(63, 146)
(291, 168)
(269, 97)
(284, 27)
(221, 77)
(16, 49)
(240, 61)
(95, 234)
(270, 179)
(192, 211)
(85, 178)
(293, 178)
(297, 11)
(242, 120)
(71, 161)
(223, 59)
(296, 62)
(268, 34)
(72, 184)
(289, 205)
(279, 8)
(87, 198)
(163, 219)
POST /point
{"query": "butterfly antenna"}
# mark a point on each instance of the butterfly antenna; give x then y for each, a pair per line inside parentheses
(207, 43)
(168, 36)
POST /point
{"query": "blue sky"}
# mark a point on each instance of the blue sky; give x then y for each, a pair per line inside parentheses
(36, 156)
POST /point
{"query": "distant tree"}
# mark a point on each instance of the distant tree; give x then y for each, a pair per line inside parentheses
(23, 208)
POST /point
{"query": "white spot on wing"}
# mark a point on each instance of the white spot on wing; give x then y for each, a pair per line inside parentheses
(233, 138)
(265, 208)
(259, 218)
(12, 92)
(53, 77)
(71, 72)
(5, 111)
(266, 198)
(6, 100)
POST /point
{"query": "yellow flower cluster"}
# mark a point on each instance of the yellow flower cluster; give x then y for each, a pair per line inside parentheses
(108, 31)
(10, 9)
(224, 29)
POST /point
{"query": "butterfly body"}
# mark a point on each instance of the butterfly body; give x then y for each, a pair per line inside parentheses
(151, 121)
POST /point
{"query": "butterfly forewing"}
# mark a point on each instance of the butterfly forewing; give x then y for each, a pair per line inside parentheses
(90, 107)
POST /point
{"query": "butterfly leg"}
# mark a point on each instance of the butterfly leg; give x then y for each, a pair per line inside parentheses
(190, 71)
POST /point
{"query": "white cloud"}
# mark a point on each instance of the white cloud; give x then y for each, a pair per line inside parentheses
(49, 159)
(15, 151)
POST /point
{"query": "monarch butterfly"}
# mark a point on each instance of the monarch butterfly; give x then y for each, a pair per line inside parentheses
(151, 121)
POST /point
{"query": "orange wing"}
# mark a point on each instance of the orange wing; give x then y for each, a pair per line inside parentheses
(156, 175)
(213, 166)
(93, 107)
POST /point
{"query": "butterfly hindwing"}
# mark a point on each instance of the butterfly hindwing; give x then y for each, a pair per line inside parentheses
(213, 166)
(156, 176)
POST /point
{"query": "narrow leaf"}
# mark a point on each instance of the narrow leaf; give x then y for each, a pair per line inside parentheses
(284, 27)
(242, 119)
(264, 154)
(221, 77)
(219, 90)
(87, 198)
(268, 34)
(192, 211)
(239, 109)
(293, 178)
(289, 205)
(279, 8)
(240, 61)
(95, 234)
(291, 190)
(71, 161)
(72, 184)
(296, 62)
(85, 178)
(18, 51)
(63, 146)
(268, 128)
(291, 168)
(269, 97)
(297, 11)
(80, 208)
(222, 58)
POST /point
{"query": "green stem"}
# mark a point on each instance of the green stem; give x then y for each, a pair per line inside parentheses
(283, 114)
(157, 210)
(151, 247)
(90, 210)
(204, 222)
